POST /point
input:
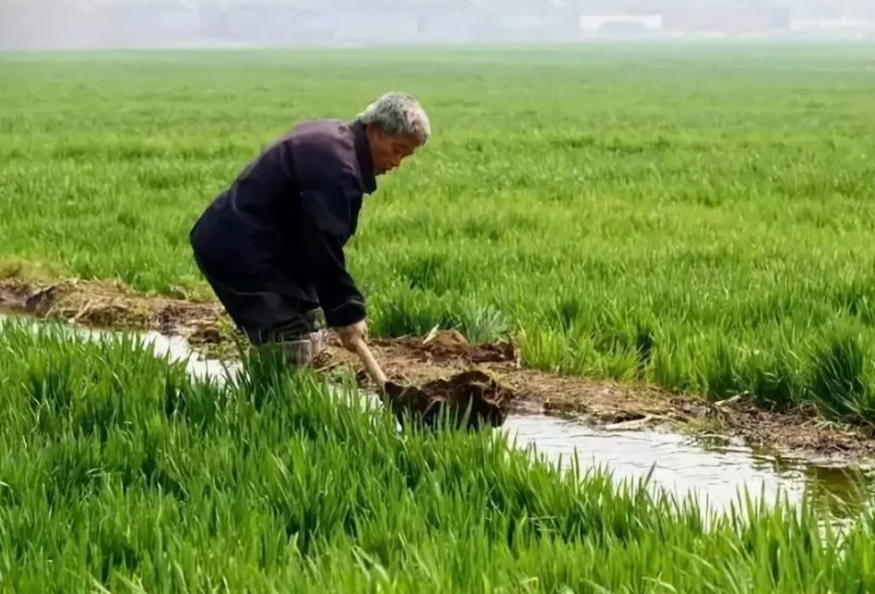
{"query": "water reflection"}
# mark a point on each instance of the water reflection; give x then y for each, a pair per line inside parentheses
(716, 476)
(841, 490)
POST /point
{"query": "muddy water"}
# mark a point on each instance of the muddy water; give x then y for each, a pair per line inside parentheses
(716, 476)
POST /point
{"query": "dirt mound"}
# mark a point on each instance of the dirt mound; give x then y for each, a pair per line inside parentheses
(448, 345)
(474, 393)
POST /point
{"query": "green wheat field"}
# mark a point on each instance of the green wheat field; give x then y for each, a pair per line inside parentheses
(120, 474)
(695, 215)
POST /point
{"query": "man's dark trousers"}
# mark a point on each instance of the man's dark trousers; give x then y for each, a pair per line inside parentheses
(268, 319)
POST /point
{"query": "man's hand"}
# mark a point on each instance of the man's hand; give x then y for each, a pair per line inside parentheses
(350, 335)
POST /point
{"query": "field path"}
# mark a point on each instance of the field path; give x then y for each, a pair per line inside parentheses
(802, 432)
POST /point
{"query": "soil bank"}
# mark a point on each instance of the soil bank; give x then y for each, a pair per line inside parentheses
(418, 360)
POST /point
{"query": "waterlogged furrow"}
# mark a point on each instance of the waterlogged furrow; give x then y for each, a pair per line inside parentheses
(119, 472)
(698, 221)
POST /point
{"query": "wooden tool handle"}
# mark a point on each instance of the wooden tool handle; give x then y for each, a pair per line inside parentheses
(373, 368)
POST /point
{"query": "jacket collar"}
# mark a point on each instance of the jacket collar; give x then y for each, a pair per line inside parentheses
(363, 153)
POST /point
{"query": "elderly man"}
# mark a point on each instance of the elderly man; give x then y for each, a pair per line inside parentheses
(271, 245)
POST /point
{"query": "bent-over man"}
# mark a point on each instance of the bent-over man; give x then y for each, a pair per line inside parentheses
(271, 244)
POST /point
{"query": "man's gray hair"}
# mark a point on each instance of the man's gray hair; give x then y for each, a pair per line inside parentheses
(398, 114)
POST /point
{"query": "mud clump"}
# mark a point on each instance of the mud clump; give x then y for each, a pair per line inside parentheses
(447, 345)
(473, 398)
(205, 335)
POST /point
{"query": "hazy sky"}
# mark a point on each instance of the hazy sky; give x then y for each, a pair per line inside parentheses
(63, 24)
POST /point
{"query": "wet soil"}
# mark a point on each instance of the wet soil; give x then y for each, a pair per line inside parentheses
(472, 399)
(492, 373)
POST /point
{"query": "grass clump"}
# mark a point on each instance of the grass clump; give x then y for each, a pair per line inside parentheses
(119, 473)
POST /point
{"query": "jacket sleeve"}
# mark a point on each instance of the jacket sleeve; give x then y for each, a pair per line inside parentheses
(326, 222)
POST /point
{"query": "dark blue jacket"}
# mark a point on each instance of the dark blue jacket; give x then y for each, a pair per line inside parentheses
(282, 224)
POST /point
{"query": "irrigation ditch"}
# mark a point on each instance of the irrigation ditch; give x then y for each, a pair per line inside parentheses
(685, 444)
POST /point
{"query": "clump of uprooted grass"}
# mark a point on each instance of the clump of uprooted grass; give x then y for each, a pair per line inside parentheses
(118, 473)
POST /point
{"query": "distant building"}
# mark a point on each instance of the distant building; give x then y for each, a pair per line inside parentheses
(727, 18)
(834, 27)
